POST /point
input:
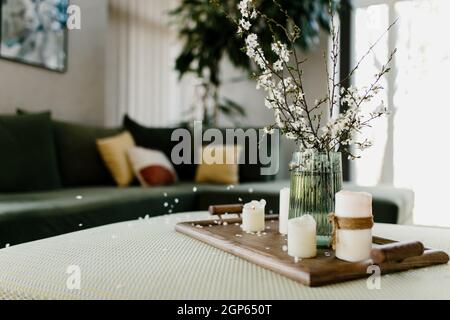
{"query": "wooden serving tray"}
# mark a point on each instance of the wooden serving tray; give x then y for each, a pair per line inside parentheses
(267, 251)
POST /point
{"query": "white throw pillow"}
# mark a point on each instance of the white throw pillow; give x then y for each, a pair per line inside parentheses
(151, 167)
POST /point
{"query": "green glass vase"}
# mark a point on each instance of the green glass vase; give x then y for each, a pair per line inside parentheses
(315, 180)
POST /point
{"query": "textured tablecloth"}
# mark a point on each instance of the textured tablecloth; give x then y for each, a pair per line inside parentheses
(147, 259)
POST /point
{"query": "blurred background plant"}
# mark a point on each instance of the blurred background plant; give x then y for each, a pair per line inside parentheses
(209, 35)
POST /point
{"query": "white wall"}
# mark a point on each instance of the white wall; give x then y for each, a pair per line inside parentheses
(77, 95)
(245, 93)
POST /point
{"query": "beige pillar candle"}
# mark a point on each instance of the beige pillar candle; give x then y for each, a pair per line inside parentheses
(284, 210)
(254, 217)
(353, 245)
(302, 241)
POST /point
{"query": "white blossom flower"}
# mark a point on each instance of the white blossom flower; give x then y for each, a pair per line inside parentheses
(277, 94)
(260, 59)
(291, 136)
(300, 96)
(251, 53)
(269, 103)
(364, 145)
(278, 65)
(281, 51)
(243, 7)
(252, 41)
(265, 82)
(278, 120)
(296, 125)
(245, 24)
(286, 85)
(269, 130)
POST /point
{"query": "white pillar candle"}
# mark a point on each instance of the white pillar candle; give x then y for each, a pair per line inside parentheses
(254, 217)
(353, 245)
(302, 237)
(284, 210)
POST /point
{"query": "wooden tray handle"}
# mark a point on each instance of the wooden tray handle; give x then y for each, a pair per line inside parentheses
(396, 252)
(219, 210)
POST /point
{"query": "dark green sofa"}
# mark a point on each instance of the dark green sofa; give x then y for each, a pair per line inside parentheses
(87, 197)
(31, 216)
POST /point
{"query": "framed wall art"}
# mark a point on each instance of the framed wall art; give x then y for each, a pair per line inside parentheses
(34, 32)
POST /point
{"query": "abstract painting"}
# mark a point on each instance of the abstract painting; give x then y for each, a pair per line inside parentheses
(34, 32)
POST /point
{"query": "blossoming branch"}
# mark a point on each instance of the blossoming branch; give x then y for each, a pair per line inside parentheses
(319, 126)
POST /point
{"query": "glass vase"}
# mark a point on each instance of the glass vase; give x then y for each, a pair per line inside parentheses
(315, 180)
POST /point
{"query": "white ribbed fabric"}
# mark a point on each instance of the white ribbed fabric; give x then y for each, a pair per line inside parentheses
(147, 259)
(142, 48)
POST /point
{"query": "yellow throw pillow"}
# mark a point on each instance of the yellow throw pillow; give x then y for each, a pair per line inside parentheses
(113, 151)
(219, 165)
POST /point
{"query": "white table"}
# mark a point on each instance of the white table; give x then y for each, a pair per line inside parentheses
(147, 259)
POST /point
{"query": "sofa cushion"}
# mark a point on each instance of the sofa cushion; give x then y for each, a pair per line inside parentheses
(159, 139)
(114, 152)
(80, 163)
(152, 167)
(28, 159)
(250, 165)
(219, 165)
(251, 172)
